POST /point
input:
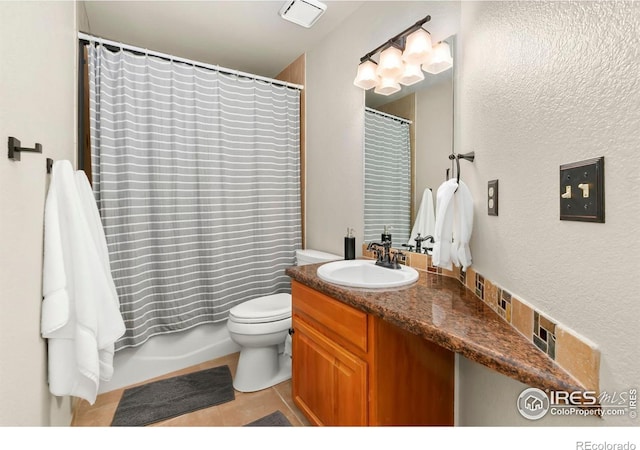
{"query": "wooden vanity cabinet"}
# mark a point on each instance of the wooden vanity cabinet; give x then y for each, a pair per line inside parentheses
(330, 382)
(351, 368)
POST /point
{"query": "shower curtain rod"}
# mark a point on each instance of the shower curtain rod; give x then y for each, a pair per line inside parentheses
(391, 116)
(90, 38)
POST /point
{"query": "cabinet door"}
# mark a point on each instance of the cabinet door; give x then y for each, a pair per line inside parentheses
(329, 383)
(411, 379)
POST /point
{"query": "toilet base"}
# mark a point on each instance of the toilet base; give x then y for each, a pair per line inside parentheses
(261, 368)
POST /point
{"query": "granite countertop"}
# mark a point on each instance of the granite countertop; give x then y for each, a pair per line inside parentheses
(443, 311)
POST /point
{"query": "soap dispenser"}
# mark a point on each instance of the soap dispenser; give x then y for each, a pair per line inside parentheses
(350, 244)
(386, 235)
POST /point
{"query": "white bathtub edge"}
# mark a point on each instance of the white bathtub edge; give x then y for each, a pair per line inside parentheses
(168, 353)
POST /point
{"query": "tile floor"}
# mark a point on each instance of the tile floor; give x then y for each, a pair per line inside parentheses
(246, 407)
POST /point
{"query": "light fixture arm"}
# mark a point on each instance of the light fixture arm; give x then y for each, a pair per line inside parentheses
(393, 40)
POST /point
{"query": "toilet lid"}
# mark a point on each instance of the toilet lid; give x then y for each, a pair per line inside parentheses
(262, 309)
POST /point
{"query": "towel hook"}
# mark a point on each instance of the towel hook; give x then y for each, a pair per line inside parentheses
(453, 157)
(15, 148)
(466, 156)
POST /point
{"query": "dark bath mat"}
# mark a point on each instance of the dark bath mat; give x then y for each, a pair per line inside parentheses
(164, 399)
(275, 419)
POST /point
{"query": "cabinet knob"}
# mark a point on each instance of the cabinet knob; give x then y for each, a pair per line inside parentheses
(291, 331)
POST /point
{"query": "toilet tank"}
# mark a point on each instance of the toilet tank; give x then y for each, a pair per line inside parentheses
(304, 257)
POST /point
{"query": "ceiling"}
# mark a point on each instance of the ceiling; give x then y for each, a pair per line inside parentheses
(248, 36)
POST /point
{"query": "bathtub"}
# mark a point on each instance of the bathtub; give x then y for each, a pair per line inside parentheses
(169, 352)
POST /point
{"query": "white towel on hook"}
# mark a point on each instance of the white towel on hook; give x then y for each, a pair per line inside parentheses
(443, 230)
(462, 227)
(96, 230)
(80, 311)
(425, 219)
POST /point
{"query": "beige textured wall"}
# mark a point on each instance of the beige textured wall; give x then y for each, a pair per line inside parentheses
(37, 92)
(541, 84)
(335, 114)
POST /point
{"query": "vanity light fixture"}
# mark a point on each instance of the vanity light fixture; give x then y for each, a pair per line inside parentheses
(402, 60)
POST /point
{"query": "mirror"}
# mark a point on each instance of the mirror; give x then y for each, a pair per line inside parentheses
(428, 106)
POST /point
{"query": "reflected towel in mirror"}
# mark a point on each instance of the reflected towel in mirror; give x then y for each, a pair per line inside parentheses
(425, 219)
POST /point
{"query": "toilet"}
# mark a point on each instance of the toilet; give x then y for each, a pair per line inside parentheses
(260, 327)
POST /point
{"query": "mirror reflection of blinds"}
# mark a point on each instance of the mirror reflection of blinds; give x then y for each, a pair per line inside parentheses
(387, 176)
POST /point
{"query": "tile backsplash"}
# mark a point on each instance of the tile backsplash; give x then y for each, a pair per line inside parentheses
(544, 334)
(575, 354)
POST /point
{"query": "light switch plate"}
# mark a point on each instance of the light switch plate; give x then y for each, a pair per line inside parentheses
(582, 191)
(492, 198)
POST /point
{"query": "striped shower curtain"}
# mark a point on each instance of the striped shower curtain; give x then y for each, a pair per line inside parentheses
(196, 175)
(387, 177)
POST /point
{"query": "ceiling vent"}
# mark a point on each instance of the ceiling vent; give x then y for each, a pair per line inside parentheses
(303, 12)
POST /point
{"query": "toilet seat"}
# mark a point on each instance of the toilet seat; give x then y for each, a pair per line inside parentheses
(271, 308)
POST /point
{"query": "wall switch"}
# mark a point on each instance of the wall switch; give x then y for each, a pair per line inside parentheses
(582, 190)
(492, 198)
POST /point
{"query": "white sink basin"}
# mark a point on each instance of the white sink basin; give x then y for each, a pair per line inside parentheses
(365, 274)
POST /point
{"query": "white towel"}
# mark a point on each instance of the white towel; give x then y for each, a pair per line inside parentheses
(443, 230)
(425, 219)
(96, 230)
(80, 310)
(463, 226)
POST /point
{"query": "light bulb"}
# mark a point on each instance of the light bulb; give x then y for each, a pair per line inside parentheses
(417, 48)
(387, 86)
(440, 59)
(412, 74)
(366, 77)
(390, 65)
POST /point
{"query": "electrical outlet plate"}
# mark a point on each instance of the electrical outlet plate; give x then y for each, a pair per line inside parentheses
(582, 191)
(492, 198)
